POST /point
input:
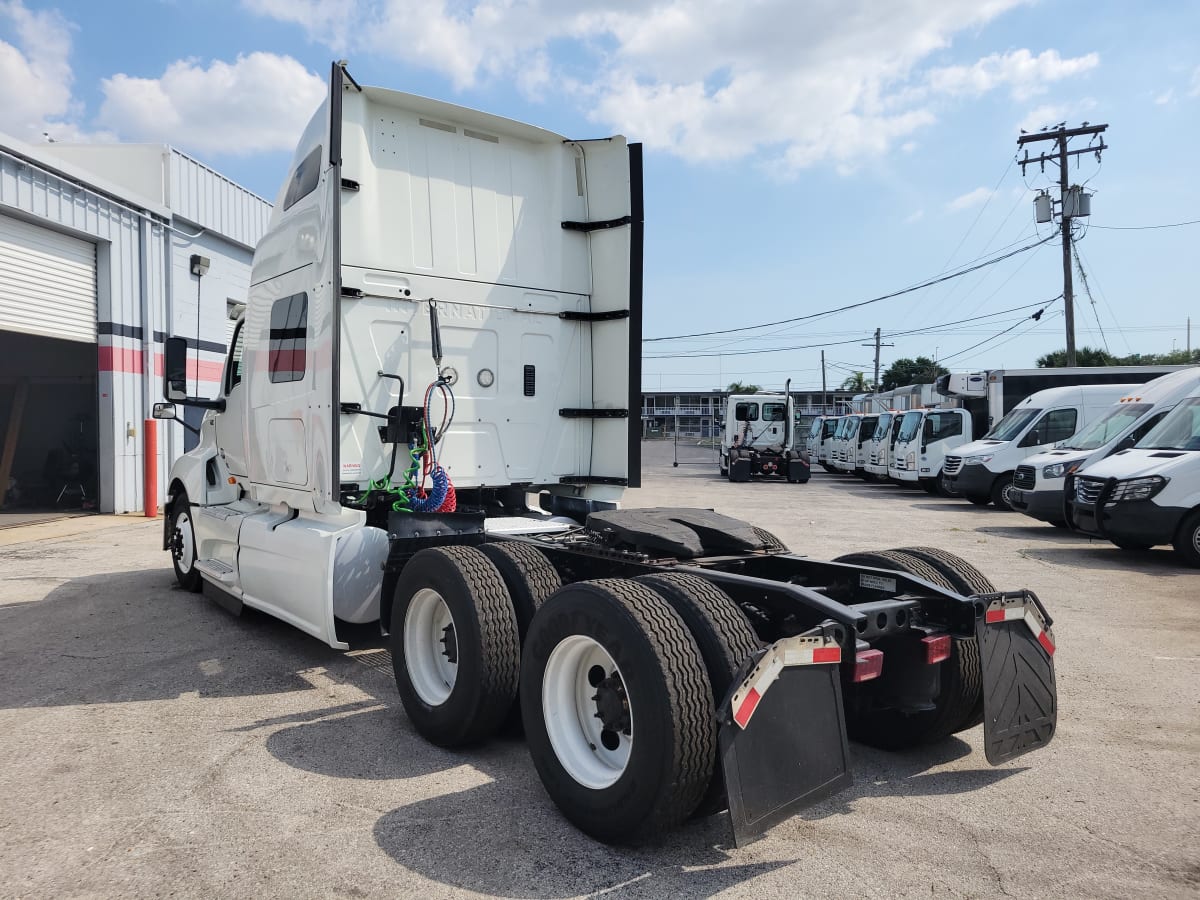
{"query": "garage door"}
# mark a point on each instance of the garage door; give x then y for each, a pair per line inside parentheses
(47, 282)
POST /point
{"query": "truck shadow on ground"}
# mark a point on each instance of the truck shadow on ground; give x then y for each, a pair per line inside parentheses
(521, 846)
(881, 773)
(130, 636)
(951, 505)
(1160, 562)
(1037, 533)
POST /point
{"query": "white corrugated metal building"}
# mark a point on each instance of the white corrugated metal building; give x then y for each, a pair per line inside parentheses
(96, 251)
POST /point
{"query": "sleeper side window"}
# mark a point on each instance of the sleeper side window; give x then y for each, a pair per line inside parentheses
(304, 179)
(288, 339)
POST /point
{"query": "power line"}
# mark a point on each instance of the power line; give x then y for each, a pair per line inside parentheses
(1036, 316)
(1144, 227)
(829, 312)
(928, 329)
(1087, 290)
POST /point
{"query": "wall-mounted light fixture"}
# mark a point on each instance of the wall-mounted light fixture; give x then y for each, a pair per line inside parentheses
(199, 264)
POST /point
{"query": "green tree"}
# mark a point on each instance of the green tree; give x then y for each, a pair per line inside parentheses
(904, 372)
(858, 382)
(737, 387)
(1172, 358)
(1084, 356)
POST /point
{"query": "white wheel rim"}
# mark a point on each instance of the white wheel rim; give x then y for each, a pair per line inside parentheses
(187, 542)
(430, 646)
(582, 743)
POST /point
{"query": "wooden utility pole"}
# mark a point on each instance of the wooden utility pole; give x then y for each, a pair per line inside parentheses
(824, 391)
(1061, 136)
(875, 383)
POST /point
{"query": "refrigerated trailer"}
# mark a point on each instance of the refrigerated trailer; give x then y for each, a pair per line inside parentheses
(424, 420)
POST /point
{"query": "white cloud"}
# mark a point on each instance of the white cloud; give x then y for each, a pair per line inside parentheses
(1194, 87)
(1019, 70)
(1165, 97)
(792, 84)
(35, 73)
(259, 102)
(914, 217)
(1045, 116)
(977, 197)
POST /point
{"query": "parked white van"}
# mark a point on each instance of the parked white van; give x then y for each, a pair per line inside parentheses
(921, 457)
(982, 471)
(1149, 494)
(1038, 482)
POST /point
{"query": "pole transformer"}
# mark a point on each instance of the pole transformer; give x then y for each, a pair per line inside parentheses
(1070, 200)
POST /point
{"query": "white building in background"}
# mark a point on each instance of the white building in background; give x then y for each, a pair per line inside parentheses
(105, 250)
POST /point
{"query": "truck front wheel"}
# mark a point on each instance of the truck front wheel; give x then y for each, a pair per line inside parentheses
(618, 710)
(182, 544)
(455, 645)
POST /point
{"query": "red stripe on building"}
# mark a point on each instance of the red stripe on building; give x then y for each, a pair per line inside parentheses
(128, 361)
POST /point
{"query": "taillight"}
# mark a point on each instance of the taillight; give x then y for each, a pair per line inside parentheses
(937, 648)
(868, 664)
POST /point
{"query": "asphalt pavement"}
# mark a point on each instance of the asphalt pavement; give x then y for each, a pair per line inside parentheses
(151, 744)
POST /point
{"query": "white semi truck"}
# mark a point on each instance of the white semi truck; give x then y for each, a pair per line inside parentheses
(758, 437)
(443, 321)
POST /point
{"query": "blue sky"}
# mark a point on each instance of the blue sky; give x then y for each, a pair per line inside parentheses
(799, 156)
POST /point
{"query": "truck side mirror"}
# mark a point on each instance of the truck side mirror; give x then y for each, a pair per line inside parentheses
(164, 411)
(175, 368)
(175, 379)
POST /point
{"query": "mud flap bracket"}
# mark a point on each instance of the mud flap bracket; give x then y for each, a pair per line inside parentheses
(783, 733)
(1020, 699)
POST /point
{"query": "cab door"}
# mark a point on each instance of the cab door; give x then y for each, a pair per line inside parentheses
(231, 424)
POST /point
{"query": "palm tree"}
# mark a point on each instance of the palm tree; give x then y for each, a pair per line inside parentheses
(858, 382)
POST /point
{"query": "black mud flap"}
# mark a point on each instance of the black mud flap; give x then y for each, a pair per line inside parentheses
(739, 470)
(783, 734)
(1020, 701)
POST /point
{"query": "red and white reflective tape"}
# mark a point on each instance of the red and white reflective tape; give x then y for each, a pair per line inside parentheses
(999, 612)
(795, 651)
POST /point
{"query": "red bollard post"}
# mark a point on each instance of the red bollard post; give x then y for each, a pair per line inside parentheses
(150, 468)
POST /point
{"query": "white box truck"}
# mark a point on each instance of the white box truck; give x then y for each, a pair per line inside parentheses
(920, 458)
(982, 471)
(444, 321)
(1148, 494)
(1038, 484)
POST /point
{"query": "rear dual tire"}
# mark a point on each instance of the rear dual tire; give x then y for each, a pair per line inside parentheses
(632, 760)
(455, 645)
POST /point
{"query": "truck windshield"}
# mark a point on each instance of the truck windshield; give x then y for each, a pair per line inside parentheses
(1012, 424)
(882, 426)
(909, 425)
(1108, 426)
(1180, 430)
(816, 428)
(830, 426)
